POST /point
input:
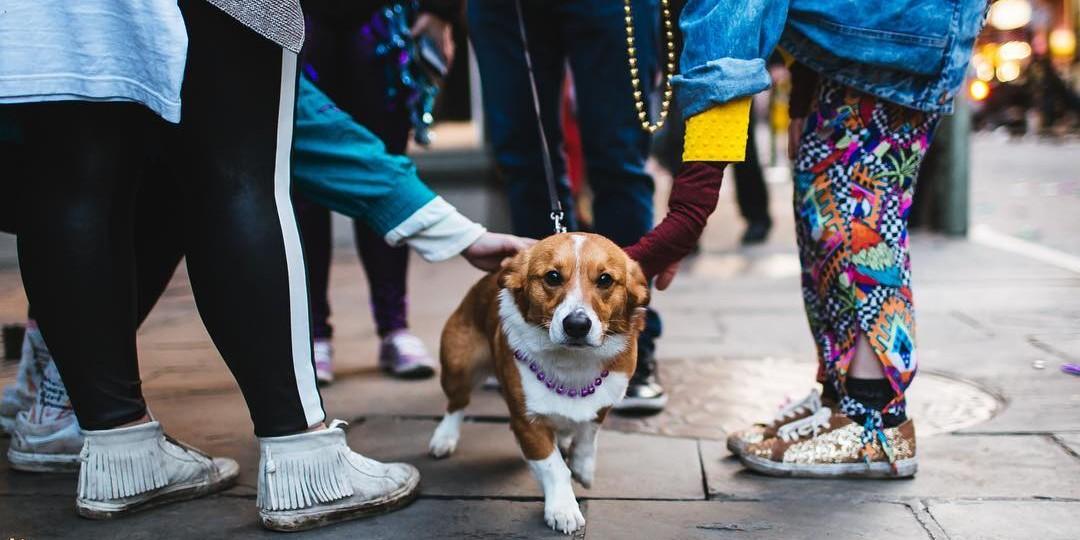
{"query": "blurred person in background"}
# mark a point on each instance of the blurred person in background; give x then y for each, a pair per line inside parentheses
(590, 36)
(365, 56)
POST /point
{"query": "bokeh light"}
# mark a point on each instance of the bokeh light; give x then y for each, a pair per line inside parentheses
(1010, 14)
(983, 67)
(1062, 43)
(1013, 51)
(979, 90)
(1008, 71)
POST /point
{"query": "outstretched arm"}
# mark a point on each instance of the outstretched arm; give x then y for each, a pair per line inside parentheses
(693, 199)
(723, 65)
(341, 165)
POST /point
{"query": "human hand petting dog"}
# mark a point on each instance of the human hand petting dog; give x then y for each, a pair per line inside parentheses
(488, 251)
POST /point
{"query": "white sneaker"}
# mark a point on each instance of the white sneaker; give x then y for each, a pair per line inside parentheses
(404, 356)
(138, 467)
(324, 361)
(11, 404)
(47, 438)
(313, 479)
(45, 447)
(20, 395)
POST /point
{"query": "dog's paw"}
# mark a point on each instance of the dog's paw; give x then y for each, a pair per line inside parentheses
(564, 516)
(442, 445)
(583, 469)
(445, 439)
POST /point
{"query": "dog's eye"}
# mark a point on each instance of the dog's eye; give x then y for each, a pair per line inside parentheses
(604, 281)
(553, 278)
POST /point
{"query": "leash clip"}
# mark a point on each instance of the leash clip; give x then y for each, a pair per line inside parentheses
(557, 217)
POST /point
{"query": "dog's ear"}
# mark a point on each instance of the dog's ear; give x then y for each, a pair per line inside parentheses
(637, 287)
(514, 271)
(637, 294)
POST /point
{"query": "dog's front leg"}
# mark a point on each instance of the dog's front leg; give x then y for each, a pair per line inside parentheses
(561, 511)
(583, 452)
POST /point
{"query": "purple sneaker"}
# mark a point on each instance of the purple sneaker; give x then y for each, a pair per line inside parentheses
(403, 355)
(324, 359)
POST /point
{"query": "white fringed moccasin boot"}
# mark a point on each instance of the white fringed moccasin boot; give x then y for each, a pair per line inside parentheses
(313, 479)
(138, 467)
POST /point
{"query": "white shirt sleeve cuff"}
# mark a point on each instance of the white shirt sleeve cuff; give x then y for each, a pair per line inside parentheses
(437, 231)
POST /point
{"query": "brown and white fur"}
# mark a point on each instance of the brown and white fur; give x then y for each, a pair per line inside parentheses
(523, 308)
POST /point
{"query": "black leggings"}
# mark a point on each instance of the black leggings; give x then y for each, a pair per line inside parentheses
(230, 159)
(158, 238)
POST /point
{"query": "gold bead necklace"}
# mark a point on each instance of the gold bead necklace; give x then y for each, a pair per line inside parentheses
(635, 80)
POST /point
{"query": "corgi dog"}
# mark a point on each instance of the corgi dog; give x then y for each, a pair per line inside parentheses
(558, 327)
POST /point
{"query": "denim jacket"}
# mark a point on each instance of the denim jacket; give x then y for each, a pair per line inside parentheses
(911, 52)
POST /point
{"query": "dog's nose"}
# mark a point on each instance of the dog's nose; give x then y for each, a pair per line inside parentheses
(577, 324)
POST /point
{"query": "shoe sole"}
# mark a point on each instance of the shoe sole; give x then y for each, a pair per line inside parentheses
(905, 468)
(641, 405)
(303, 521)
(413, 373)
(43, 463)
(97, 511)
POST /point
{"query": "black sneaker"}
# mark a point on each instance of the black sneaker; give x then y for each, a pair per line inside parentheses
(756, 232)
(644, 395)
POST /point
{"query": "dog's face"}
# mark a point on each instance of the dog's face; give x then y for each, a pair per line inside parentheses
(581, 287)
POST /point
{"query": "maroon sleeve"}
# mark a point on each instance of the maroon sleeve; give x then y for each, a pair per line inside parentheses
(693, 199)
(804, 83)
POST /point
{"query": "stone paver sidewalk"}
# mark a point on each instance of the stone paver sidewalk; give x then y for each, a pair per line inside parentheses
(1000, 459)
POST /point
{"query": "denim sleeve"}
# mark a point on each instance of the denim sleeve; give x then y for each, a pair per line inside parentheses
(341, 165)
(727, 42)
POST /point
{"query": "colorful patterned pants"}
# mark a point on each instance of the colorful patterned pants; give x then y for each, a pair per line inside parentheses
(854, 181)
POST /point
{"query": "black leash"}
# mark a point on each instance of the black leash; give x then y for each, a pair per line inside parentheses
(557, 215)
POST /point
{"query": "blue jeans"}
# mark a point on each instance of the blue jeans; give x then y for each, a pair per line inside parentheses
(590, 36)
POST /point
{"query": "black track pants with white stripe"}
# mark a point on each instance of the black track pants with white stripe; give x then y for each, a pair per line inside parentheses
(229, 162)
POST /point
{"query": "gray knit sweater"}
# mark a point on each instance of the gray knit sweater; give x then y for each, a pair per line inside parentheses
(280, 21)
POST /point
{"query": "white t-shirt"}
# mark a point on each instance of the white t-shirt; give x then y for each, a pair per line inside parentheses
(93, 50)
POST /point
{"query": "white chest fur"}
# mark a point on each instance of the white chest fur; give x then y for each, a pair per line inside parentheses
(574, 367)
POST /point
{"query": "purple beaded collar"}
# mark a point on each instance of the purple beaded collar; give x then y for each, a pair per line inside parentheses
(558, 387)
